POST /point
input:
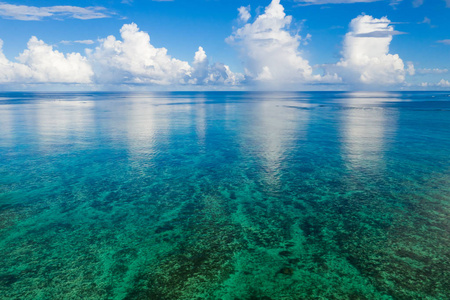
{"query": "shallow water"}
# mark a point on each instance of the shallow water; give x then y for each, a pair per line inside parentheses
(225, 196)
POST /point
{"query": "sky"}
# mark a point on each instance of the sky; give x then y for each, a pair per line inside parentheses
(225, 45)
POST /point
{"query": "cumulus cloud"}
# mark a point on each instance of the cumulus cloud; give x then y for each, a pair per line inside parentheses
(39, 63)
(365, 55)
(202, 73)
(129, 60)
(9, 71)
(270, 50)
(135, 60)
(411, 70)
(200, 66)
(34, 13)
(444, 83)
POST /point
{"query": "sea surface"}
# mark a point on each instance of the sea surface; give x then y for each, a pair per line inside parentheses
(225, 195)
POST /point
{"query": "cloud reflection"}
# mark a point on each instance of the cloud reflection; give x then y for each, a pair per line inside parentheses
(278, 124)
(6, 125)
(140, 128)
(366, 129)
(200, 121)
(63, 122)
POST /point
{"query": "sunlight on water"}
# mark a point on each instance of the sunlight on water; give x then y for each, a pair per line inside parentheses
(224, 196)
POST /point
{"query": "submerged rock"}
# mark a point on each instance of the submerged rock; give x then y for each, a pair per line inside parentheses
(285, 253)
(286, 271)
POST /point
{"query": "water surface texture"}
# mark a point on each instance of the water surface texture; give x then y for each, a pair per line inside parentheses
(225, 196)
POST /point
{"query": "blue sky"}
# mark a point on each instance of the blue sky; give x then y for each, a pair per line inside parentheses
(392, 45)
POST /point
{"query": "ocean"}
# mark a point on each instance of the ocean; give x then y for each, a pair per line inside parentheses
(225, 195)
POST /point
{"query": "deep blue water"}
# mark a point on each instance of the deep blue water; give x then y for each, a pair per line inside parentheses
(225, 195)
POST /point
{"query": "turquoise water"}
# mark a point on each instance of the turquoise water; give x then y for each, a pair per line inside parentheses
(225, 196)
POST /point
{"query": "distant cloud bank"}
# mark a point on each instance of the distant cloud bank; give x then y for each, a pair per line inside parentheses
(270, 50)
(131, 60)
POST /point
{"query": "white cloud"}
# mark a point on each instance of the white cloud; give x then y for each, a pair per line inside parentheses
(85, 42)
(366, 57)
(394, 3)
(200, 66)
(378, 33)
(34, 13)
(307, 39)
(39, 63)
(444, 83)
(205, 74)
(135, 60)
(270, 51)
(244, 13)
(10, 71)
(410, 69)
(417, 3)
(132, 60)
(426, 20)
(445, 42)
(431, 71)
